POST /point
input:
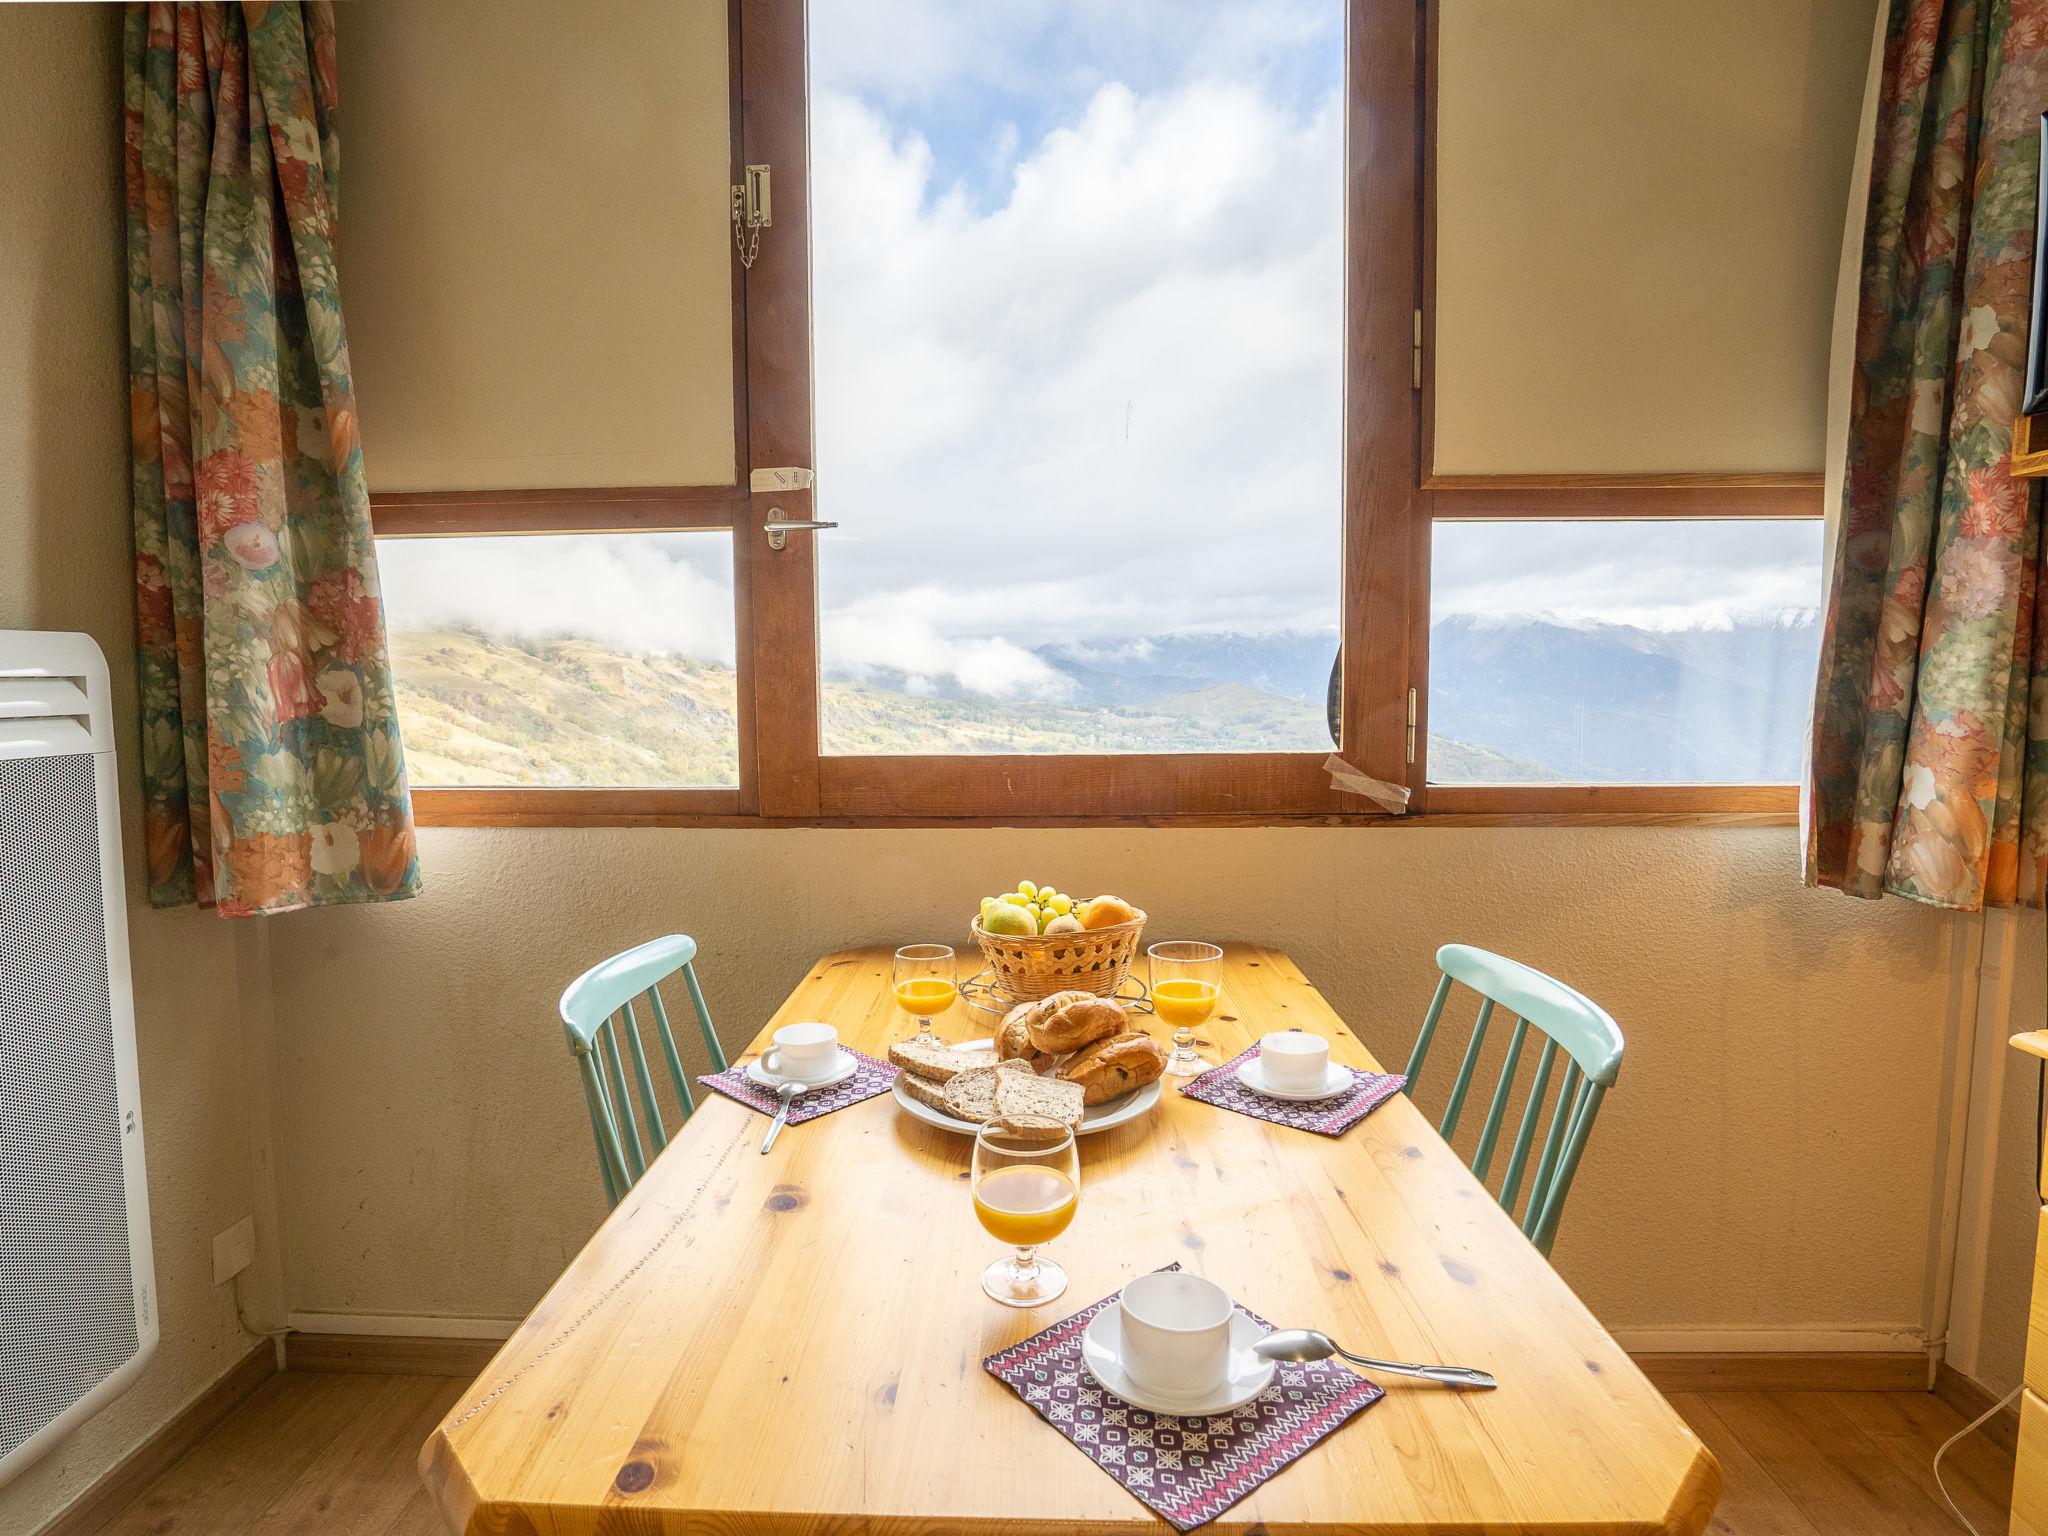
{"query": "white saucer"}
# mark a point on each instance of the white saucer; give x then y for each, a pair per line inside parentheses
(1336, 1080)
(848, 1065)
(1102, 1346)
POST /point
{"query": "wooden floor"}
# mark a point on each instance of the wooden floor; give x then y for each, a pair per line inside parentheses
(333, 1454)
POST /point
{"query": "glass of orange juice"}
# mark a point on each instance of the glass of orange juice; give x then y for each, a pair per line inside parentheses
(1187, 979)
(924, 980)
(1025, 1191)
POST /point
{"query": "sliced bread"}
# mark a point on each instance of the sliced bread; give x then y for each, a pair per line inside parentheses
(1033, 1097)
(925, 1090)
(971, 1095)
(928, 1056)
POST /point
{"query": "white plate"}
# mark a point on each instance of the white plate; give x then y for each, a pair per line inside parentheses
(848, 1065)
(1336, 1080)
(1101, 1349)
(1096, 1117)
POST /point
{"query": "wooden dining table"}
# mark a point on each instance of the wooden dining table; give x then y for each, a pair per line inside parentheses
(794, 1342)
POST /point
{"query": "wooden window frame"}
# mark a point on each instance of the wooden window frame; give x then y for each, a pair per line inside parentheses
(1391, 502)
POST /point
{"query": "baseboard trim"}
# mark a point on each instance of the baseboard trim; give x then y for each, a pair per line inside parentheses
(402, 1326)
(1785, 1371)
(1675, 1360)
(114, 1489)
(388, 1354)
(1970, 1398)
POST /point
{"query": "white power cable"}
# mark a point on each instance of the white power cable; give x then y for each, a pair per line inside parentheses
(1981, 1418)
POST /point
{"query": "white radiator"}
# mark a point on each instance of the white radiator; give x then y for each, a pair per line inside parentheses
(77, 1294)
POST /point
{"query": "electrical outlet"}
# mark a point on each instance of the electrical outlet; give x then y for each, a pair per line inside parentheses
(234, 1250)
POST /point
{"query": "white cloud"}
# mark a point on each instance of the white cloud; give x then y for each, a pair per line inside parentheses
(656, 593)
(1107, 405)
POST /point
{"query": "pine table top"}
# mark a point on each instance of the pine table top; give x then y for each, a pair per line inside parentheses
(794, 1343)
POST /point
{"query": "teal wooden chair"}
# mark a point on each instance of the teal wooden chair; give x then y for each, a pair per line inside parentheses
(1592, 1044)
(596, 1010)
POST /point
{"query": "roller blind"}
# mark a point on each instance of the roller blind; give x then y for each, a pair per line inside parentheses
(1638, 221)
(534, 240)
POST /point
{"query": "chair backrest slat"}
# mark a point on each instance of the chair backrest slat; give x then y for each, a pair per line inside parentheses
(1448, 1127)
(717, 1051)
(1570, 1023)
(1553, 1144)
(611, 1158)
(1496, 1112)
(644, 1078)
(622, 1100)
(1427, 1033)
(597, 1005)
(1545, 1229)
(668, 1050)
(1525, 1133)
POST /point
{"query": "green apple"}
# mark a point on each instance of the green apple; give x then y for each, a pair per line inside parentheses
(1006, 917)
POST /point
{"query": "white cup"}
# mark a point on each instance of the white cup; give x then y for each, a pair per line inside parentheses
(1293, 1058)
(1176, 1329)
(805, 1052)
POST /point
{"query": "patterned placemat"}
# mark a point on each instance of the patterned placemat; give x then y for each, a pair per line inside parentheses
(1187, 1469)
(869, 1078)
(1327, 1117)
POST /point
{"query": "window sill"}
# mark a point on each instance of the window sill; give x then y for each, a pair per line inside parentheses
(1544, 805)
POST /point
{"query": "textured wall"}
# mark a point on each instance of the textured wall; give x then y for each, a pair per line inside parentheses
(65, 564)
(1764, 1164)
(1639, 219)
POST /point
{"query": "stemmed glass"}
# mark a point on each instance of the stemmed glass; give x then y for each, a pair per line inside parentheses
(1187, 979)
(1025, 1191)
(923, 980)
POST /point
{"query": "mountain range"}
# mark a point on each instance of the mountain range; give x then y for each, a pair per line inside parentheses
(1526, 699)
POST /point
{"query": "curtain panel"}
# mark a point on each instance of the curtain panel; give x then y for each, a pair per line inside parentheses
(1929, 771)
(273, 777)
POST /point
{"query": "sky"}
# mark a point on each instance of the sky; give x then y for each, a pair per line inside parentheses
(1077, 312)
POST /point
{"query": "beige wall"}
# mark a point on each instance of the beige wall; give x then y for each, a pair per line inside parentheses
(1762, 1168)
(1639, 215)
(65, 564)
(535, 257)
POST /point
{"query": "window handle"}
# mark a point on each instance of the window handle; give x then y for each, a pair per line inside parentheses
(779, 529)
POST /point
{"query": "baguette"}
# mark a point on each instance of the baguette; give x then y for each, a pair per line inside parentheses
(1113, 1066)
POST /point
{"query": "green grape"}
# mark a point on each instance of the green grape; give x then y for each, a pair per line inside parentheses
(1063, 905)
(1026, 889)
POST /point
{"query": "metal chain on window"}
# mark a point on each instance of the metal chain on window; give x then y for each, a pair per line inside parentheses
(748, 240)
(617, 1284)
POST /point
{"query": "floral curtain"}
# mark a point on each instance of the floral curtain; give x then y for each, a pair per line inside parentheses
(272, 773)
(1929, 775)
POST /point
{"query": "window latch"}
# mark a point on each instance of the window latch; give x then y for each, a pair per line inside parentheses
(779, 529)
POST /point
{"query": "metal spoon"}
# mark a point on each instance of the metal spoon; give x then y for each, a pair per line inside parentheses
(1307, 1344)
(788, 1094)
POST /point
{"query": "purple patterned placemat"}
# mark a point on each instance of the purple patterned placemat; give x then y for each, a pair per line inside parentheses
(1327, 1117)
(869, 1078)
(1187, 1469)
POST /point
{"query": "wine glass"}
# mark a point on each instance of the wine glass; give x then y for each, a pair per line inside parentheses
(924, 981)
(1025, 1191)
(1187, 979)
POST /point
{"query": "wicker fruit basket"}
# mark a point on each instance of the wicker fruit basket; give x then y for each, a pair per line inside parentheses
(1035, 967)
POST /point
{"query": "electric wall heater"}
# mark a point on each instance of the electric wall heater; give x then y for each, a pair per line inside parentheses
(77, 1293)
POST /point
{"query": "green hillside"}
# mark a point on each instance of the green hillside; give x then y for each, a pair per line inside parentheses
(485, 710)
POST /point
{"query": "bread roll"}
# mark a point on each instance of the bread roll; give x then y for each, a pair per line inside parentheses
(1013, 1038)
(1114, 1066)
(1074, 1024)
